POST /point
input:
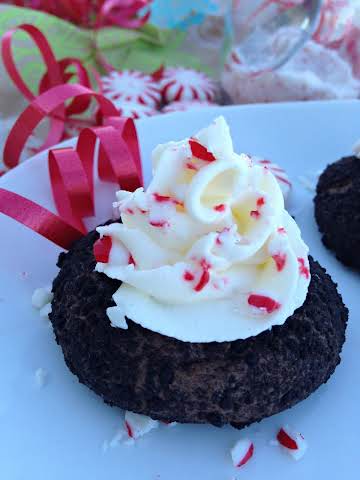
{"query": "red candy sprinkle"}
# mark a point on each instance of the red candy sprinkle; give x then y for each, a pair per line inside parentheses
(205, 276)
(131, 260)
(303, 268)
(286, 441)
(255, 214)
(280, 261)
(165, 198)
(161, 198)
(160, 224)
(130, 211)
(247, 456)
(191, 166)
(201, 152)
(102, 249)
(129, 429)
(220, 208)
(188, 276)
(281, 230)
(264, 303)
(260, 202)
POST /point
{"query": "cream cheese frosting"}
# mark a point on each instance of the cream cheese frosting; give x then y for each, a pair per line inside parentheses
(208, 252)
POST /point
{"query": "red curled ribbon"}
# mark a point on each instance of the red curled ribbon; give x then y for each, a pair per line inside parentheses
(43, 106)
(72, 182)
(71, 169)
(56, 74)
(37, 218)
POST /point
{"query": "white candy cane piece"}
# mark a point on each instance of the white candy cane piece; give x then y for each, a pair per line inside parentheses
(41, 297)
(186, 105)
(241, 452)
(179, 84)
(292, 442)
(131, 86)
(134, 110)
(278, 172)
(138, 425)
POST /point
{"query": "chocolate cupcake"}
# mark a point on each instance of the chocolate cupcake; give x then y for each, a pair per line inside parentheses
(337, 209)
(200, 304)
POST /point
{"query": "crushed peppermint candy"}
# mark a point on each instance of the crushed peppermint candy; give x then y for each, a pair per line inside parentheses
(102, 248)
(241, 452)
(280, 261)
(179, 84)
(304, 268)
(137, 425)
(200, 152)
(292, 442)
(41, 297)
(263, 303)
(131, 86)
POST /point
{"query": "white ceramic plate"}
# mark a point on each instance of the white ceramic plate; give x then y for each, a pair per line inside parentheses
(57, 432)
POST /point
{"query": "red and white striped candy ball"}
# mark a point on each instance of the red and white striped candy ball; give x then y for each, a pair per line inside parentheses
(131, 86)
(179, 84)
(134, 110)
(278, 172)
(186, 105)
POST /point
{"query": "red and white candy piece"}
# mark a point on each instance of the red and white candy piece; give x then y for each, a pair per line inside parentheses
(241, 452)
(137, 425)
(102, 248)
(41, 297)
(278, 172)
(134, 110)
(292, 442)
(263, 304)
(186, 105)
(180, 83)
(131, 86)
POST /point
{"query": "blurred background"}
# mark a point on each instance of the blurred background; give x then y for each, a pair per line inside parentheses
(193, 53)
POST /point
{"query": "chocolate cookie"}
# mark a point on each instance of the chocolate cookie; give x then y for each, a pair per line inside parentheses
(337, 209)
(236, 382)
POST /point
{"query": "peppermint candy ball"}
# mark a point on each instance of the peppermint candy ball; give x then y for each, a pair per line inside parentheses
(131, 86)
(186, 84)
(278, 172)
(186, 105)
(134, 110)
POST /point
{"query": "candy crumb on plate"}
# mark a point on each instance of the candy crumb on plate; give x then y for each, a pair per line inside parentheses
(138, 425)
(292, 442)
(241, 452)
(41, 297)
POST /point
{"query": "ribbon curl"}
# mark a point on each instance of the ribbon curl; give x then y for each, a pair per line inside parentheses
(56, 74)
(71, 169)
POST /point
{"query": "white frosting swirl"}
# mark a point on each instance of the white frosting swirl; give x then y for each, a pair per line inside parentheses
(207, 252)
